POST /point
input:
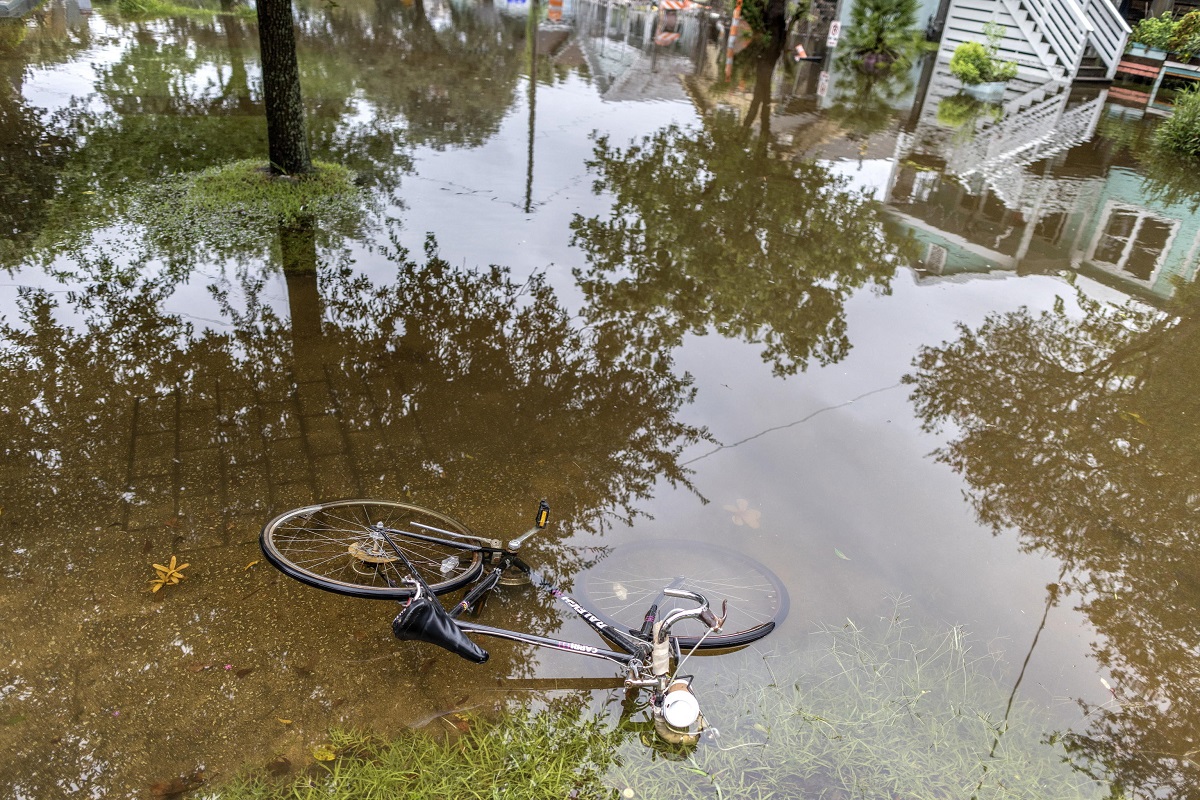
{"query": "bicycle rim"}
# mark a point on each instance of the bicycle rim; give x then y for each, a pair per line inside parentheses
(621, 588)
(338, 547)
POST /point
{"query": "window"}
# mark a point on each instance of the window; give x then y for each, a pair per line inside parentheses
(1133, 242)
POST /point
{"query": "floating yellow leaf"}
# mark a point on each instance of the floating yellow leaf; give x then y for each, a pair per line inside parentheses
(168, 574)
(840, 554)
(251, 564)
(323, 752)
(284, 721)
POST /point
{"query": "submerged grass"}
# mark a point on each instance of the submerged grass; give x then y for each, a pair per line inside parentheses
(888, 713)
(229, 207)
(878, 714)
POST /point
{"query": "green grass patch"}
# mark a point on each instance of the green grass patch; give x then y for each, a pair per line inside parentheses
(240, 206)
(147, 9)
(869, 715)
(557, 752)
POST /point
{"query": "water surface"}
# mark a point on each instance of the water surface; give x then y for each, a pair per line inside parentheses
(594, 271)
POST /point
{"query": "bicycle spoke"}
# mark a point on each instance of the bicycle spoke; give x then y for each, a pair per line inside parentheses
(339, 546)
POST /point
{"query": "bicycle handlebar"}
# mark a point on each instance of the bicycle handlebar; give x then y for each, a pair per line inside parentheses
(701, 612)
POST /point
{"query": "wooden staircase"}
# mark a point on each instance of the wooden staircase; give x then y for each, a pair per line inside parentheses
(1048, 39)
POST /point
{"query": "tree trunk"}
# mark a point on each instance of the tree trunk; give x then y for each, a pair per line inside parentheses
(298, 246)
(287, 139)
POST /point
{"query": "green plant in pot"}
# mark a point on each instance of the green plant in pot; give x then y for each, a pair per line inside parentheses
(1185, 36)
(1152, 34)
(977, 66)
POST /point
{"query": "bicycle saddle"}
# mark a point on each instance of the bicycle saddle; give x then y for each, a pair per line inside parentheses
(424, 620)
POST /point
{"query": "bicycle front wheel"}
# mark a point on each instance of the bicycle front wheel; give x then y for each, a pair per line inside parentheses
(623, 586)
(344, 547)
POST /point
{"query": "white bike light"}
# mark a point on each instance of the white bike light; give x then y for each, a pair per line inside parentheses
(680, 708)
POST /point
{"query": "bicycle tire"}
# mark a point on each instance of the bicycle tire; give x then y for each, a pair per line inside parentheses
(336, 546)
(620, 589)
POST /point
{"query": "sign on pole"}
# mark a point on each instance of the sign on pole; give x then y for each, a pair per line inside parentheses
(835, 31)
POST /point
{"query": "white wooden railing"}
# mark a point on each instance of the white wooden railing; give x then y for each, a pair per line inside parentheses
(1065, 27)
(1109, 32)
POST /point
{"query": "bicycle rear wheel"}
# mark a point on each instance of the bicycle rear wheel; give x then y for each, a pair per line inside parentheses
(340, 547)
(622, 587)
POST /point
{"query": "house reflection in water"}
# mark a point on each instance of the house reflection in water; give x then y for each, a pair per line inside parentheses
(1030, 188)
(1021, 184)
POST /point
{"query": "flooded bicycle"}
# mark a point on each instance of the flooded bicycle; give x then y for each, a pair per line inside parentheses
(649, 601)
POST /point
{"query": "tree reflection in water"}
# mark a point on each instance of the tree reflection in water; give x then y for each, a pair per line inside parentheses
(131, 435)
(710, 230)
(181, 96)
(1079, 430)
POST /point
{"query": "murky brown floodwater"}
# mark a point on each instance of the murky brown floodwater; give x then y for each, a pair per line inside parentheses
(812, 298)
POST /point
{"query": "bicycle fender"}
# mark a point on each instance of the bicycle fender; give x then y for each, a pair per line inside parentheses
(424, 620)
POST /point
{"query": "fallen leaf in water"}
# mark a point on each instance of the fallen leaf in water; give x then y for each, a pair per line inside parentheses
(743, 514)
(460, 722)
(199, 667)
(324, 752)
(168, 574)
(251, 564)
(840, 554)
(174, 787)
(283, 721)
(244, 671)
(620, 591)
(171, 788)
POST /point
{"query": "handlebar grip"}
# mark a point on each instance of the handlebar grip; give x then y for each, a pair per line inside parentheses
(709, 618)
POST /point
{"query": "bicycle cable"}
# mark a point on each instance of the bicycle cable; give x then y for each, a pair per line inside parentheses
(695, 647)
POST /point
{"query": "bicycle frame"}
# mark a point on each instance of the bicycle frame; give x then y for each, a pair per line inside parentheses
(631, 648)
(675, 707)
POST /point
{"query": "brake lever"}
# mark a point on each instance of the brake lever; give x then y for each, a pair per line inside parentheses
(714, 622)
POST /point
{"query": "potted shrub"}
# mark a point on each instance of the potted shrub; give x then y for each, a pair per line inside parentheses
(1184, 41)
(976, 65)
(1151, 37)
